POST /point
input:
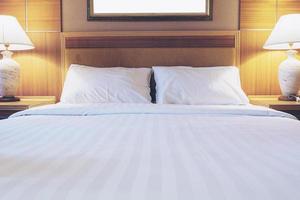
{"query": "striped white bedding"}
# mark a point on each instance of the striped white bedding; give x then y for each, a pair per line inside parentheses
(150, 152)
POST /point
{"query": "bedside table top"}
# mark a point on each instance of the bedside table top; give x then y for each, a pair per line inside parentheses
(272, 101)
(27, 102)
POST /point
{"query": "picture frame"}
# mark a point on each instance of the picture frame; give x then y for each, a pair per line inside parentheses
(205, 13)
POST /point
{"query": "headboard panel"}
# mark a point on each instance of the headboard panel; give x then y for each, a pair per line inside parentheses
(157, 41)
(149, 48)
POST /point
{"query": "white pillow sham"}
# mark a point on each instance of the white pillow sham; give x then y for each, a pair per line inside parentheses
(86, 84)
(199, 86)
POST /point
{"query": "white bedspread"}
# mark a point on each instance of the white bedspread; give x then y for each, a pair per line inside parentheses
(150, 152)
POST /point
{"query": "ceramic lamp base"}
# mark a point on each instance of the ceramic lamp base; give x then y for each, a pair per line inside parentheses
(289, 75)
(9, 75)
(9, 99)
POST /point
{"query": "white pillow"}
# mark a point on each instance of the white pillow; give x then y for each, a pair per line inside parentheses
(199, 86)
(106, 85)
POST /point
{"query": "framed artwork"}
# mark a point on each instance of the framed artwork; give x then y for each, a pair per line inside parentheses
(149, 10)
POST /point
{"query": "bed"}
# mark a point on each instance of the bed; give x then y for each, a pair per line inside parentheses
(149, 151)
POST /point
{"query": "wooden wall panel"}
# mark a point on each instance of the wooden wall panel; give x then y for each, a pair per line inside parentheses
(288, 7)
(40, 68)
(259, 67)
(257, 14)
(44, 15)
(134, 41)
(15, 8)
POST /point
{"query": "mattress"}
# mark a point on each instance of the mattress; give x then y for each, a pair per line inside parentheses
(149, 152)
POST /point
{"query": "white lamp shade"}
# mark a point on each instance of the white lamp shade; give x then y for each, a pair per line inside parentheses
(286, 32)
(12, 34)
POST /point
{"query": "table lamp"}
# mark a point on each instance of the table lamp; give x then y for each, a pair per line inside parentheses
(12, 38)
(286, 36)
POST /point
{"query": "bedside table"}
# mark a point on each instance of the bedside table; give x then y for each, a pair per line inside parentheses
(271, 101)
(26, 102)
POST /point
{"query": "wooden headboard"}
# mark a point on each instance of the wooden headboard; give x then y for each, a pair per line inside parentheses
(150, 48)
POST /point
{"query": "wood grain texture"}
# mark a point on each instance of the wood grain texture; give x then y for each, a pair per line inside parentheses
(15, 8)
(42, 72)
(44, 15)
(40, 68)
(257, 14)
(288, 7)
(165, 53)
(259, 67)
(27, 102)
(143, 57)
(205, 41)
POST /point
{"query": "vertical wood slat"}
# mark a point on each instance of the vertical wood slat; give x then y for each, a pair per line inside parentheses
(40, 68)
(257, 14)
(44, 15)
(259, 67)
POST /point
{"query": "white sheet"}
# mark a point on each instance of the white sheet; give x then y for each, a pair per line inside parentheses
(150, 152)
